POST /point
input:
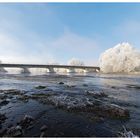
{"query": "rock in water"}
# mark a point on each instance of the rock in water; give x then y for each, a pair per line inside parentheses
(14, 131)
(3, 96)
(2, 118)
(96, 93)
(116, 111)
(128, 134)
(61, 83)
(13, 92)
(83, 104)
(2, 132)
(27, 121)
(43, 128)
(85, 85)
(122, 112)
(40, 87)
(42, 134)
(4, 102)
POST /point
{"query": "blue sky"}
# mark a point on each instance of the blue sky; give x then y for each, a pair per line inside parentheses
(58, 32)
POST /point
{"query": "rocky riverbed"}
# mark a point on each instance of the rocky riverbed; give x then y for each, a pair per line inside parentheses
(66, 106)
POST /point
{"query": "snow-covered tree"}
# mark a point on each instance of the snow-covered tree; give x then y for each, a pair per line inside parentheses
(75, 62)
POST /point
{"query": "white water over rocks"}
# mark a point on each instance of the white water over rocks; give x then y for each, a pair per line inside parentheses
(121, 58)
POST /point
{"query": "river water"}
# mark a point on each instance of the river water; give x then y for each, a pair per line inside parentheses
(121, 89)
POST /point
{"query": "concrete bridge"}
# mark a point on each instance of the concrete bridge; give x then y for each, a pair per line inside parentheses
(25, 67)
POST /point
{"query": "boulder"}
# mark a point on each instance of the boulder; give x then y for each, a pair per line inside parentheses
(127, 133)
(115, 111)
(14, 131)
(96, 93)
(2, 118)
(2, 96)
(85, 85)
(40, 87)
(4, 102)
(27, 121)
(61, 83)
(70, 86)
(13, 92)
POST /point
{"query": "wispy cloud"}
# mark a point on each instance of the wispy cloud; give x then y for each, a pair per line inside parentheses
(21, 44)
(70, 45)
(15, 49)
(128, 31)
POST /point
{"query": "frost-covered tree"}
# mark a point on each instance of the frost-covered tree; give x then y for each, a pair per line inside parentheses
(75, 62)
(121, 58)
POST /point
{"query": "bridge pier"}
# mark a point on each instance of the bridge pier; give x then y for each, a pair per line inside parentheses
(51, 70)
(25, 70)
(71, 70)
(85, 71)
(3, 70)
(97, 70)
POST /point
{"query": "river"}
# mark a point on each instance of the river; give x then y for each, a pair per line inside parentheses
(71, 89)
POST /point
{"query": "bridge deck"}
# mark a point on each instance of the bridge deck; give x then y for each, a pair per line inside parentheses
(47, 66)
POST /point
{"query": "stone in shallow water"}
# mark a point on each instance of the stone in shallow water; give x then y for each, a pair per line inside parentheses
(13, 92)
(85, 85)
(3, 96)
(133, 86)
(4, 102)
(113, 87)
(27, 121)
(43, 95)
(40, 87)
(43, 128)
(2, 118)
(96, 93)
(70, 86)
(127, 134)
(61, 83)
(23, 98)
(14, 131)
(84, 104)
(115, 111)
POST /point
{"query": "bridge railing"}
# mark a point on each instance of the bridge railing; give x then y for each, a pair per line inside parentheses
(47, 66)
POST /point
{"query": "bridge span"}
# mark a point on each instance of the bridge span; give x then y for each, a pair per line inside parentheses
(51, 68)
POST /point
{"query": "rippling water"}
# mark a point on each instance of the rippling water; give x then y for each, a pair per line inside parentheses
(123, 90)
